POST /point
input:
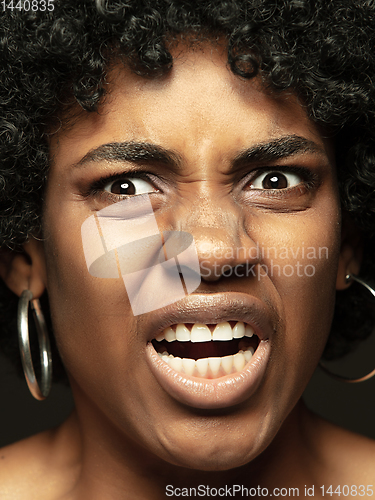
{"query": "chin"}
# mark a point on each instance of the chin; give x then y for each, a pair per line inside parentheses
(220, 460)
(209, 453)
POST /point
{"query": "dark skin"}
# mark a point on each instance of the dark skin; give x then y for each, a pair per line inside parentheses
(126, 425)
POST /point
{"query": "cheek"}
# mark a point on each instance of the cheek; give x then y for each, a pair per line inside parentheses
(300, 258)
(86, 311)
(96, 334)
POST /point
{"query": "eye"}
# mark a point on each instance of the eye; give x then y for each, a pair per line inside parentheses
(129, 186)
(275, 180)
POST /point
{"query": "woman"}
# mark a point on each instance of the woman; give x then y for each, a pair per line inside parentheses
(239, 136)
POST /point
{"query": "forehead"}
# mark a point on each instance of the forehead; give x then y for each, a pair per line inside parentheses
(199, 108)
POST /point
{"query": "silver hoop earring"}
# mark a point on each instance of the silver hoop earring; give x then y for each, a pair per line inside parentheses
(42, 391)
(340, 378)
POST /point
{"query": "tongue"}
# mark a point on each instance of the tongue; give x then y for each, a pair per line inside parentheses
(200, 350)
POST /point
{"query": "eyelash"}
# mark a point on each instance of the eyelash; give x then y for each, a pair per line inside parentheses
(96, 189)
(310, 180)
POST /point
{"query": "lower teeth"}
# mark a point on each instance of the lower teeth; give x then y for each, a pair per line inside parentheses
(209, 367)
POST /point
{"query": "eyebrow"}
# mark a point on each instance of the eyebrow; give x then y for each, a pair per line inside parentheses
(276, 149)
(144, 152)
(135, 152)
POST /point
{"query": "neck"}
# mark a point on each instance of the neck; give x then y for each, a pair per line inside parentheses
(112, 463)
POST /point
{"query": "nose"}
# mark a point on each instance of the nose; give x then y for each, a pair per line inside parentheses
(222, 240)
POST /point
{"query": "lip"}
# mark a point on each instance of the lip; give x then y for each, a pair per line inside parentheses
(225, 391)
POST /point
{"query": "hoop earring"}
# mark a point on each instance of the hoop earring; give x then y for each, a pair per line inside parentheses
(42, 391)
(340, 378)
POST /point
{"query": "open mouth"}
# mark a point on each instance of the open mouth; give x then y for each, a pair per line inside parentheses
(207, 350)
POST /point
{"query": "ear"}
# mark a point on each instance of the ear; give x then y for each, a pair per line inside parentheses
(350, 253)
(25, 270)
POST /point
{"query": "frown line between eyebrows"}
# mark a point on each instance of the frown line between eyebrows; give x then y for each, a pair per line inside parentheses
(144, 152)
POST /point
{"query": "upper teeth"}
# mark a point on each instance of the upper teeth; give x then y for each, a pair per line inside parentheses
(201, 332)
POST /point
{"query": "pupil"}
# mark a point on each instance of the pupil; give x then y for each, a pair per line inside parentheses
(275, 181)
(123, 187)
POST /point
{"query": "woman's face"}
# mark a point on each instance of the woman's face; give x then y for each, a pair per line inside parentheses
(252, 179)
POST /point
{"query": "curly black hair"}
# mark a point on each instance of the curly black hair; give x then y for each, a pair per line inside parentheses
(323, 50)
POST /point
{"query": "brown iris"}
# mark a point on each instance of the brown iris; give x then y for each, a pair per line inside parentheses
(123, 186)
(275, 180)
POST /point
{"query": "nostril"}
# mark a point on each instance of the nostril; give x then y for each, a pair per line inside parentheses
(213, 272)
(217, 271)
(240, 270)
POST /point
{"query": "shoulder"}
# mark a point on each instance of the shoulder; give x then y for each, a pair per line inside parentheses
(22, 466)
(25, 469)
(348, 458)
(43, 466)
